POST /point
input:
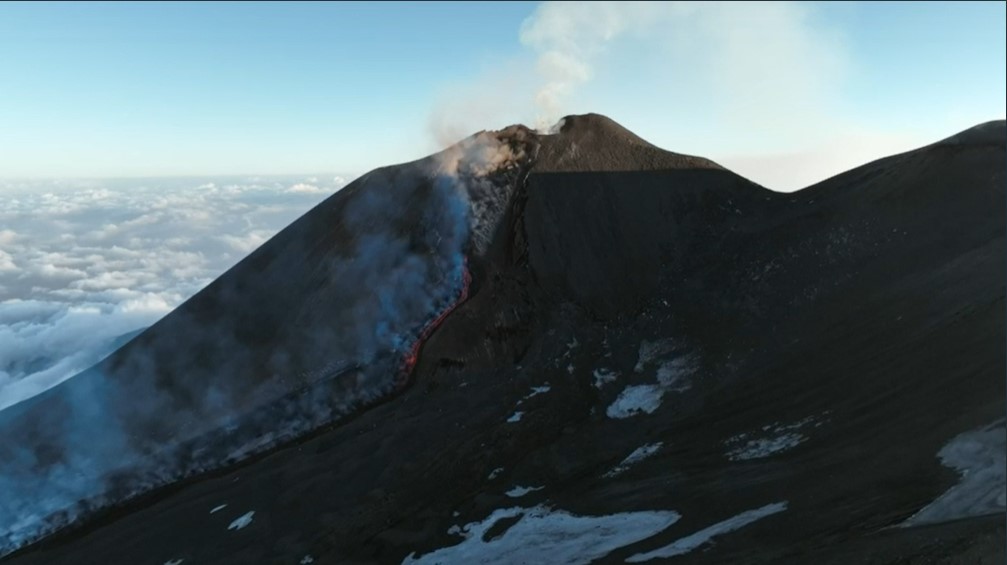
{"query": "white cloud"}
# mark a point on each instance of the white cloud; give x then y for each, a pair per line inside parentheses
(85, 262)
(50, 271)
(248, 242)
(305, 188)
(7, 262)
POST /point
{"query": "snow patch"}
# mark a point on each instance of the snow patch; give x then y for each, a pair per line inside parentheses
(307, 560)
(604, 376)
(673, 375)
(515, 417)
(634, 400)
(764, 447)
(518, 491)
(638, 455)
(535, 391)
(242, 521)
(495, 473)
(573, 344)
(979, 456)
(689, 543)
(218, 508)
(775, 438)
(174, 562)
(544, 535)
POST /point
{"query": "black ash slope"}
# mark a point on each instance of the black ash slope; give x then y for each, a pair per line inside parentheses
(813, 350)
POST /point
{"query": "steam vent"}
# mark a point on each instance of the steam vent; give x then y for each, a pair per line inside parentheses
(573, 348)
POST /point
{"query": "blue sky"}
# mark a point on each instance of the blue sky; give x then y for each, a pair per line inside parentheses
(149, 89)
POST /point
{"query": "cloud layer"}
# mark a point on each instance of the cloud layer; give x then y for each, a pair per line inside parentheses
(85, 264)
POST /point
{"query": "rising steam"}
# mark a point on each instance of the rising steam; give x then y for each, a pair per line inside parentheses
(318, 322)
(750, 72)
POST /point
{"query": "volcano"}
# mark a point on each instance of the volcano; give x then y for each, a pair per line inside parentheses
(572, 347)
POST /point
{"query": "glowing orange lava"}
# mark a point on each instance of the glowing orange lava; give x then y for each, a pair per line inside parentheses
(409, 362)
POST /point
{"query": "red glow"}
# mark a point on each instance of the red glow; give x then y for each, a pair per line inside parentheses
(409, 362)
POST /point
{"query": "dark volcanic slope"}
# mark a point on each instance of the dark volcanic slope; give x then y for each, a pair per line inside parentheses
(319, 322)
(743, 376)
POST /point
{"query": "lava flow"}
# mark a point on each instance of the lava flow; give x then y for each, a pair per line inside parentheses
(409, 362)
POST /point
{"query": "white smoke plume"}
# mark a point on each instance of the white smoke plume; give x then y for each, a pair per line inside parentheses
(481, 170)
(568, 37)
(753, 58)
(479, 155)
(757, 86)
(165, 409)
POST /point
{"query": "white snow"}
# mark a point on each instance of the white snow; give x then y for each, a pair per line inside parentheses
(691, 542)
(174, 562)
(634, 400)
(604, 376)
(544, 535)
(242, 521)
(537, 390)
(307, 560)
(639, 454)
(979, 456)
(518, 491)
(775, 438)
(764, 447)
(218, 508)
(515, 417)
(495, 473)
(674, 374)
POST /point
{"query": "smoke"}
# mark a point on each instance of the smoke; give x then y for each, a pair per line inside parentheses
(568, 38)
(494, 98)
(479, 156)
(486, 166)
(307, 329)
(750, 84)
(564, 40)
(90, 262)
(747, 59)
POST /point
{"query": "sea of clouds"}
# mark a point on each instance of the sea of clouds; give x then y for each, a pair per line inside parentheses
(85, 265)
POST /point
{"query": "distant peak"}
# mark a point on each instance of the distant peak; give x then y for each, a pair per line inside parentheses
(993, 132)
(593, 142)
(578, 125)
